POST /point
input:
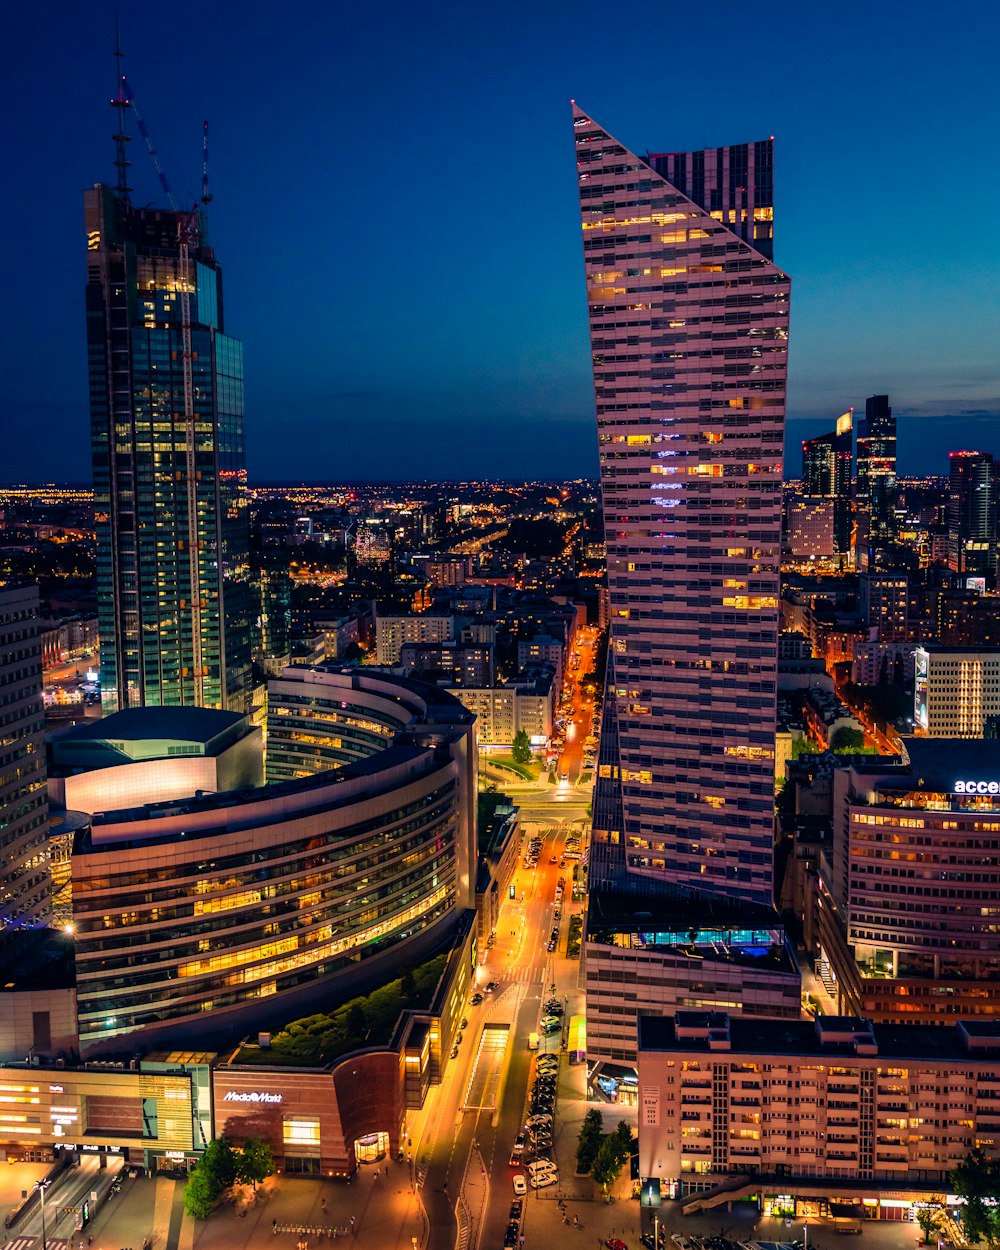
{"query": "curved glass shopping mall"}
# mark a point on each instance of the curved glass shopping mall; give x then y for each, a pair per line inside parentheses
(224, 912)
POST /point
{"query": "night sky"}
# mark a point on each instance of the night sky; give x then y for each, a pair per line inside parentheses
(395, 211)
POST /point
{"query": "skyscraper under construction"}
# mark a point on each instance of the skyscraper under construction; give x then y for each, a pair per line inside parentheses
(166, 404)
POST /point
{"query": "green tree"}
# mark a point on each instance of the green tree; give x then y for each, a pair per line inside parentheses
(219, 1162)
(589, 1141)
(977, 1180)
(929, 1217)
(254, 1162)
(803, 746)
(200, 1193)
(611, 1158)
(846, 740)
(357, 1020)
(520, 750)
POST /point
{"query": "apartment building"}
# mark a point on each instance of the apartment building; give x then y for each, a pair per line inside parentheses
(392, 632)
(837, 1098)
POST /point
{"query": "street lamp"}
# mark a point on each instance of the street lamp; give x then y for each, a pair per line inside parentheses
(40, 1186)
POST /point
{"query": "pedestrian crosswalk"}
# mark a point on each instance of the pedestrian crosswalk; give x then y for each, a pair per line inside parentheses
(530, 974)
(32, 1243)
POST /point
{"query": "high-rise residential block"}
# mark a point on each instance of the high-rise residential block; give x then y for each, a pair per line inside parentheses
(826, 473)
(170, 504)
(689, 333)
(957, 691)
(876, 482)
(25, 884)
(972, 514)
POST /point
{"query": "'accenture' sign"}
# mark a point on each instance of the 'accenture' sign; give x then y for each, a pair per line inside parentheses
(257, 1095)
(977, 787)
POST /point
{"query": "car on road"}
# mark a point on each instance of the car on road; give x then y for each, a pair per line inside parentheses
(516, 1209)
(493, 985)
(511, 1235)
(476, 999)
(538, 1120)
(454, 1052)
(564, 776)
(615, 1243)
(553, 859)
(520, 1185)
(550, 1019)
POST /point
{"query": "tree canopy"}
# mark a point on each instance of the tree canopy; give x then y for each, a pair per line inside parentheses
(977, 1180)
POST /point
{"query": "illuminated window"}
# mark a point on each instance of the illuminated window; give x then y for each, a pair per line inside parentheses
(301, 1132)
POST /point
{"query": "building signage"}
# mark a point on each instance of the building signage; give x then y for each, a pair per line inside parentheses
(257, 1095)
(977, 787)
(651, 1106)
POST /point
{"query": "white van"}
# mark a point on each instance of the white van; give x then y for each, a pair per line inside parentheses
(533, 1040)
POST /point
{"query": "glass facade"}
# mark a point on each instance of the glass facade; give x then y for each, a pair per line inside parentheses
(876, 484)
(826, 474)
(220, 901)
(170, 503)
(689, 334)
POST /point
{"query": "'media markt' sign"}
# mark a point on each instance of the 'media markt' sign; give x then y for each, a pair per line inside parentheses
(257, 1095)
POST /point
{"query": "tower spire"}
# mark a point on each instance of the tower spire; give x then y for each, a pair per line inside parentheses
(120, 103)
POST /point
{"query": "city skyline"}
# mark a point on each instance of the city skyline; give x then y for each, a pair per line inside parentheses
(362, 344)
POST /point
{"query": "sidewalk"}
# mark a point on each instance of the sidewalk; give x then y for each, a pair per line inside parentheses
(385, 1210)
(598, 1220)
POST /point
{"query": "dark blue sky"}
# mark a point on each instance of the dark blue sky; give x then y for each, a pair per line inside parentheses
(395, 210)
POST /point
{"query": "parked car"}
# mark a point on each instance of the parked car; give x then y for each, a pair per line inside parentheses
(520, 1185)
(476, 999)
(516, 1209)
(544, 1179)
(553, 1006)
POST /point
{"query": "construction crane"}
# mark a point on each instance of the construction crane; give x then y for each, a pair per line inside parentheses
(189, 232)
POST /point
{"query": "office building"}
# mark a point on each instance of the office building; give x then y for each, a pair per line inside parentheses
(836, 1099)
(908, 897)
(153, 755)
(811, 528)
(684, 953)
(957, 690)
(826, 474)
(883, 604)
(972, 514)
(25, 885)
(689, 333)
(170, 504)
(876, 481)
(256, 903)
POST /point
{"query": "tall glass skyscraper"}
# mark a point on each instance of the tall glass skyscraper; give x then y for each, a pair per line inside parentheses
(170, 502)
(689, 333)
(826, 473)
(876, 485)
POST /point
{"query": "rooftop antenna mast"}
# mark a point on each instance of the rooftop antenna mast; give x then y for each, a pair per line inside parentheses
(121, 103)
(206, 197)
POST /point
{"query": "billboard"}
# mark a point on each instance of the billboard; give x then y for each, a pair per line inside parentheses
(921, 661)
